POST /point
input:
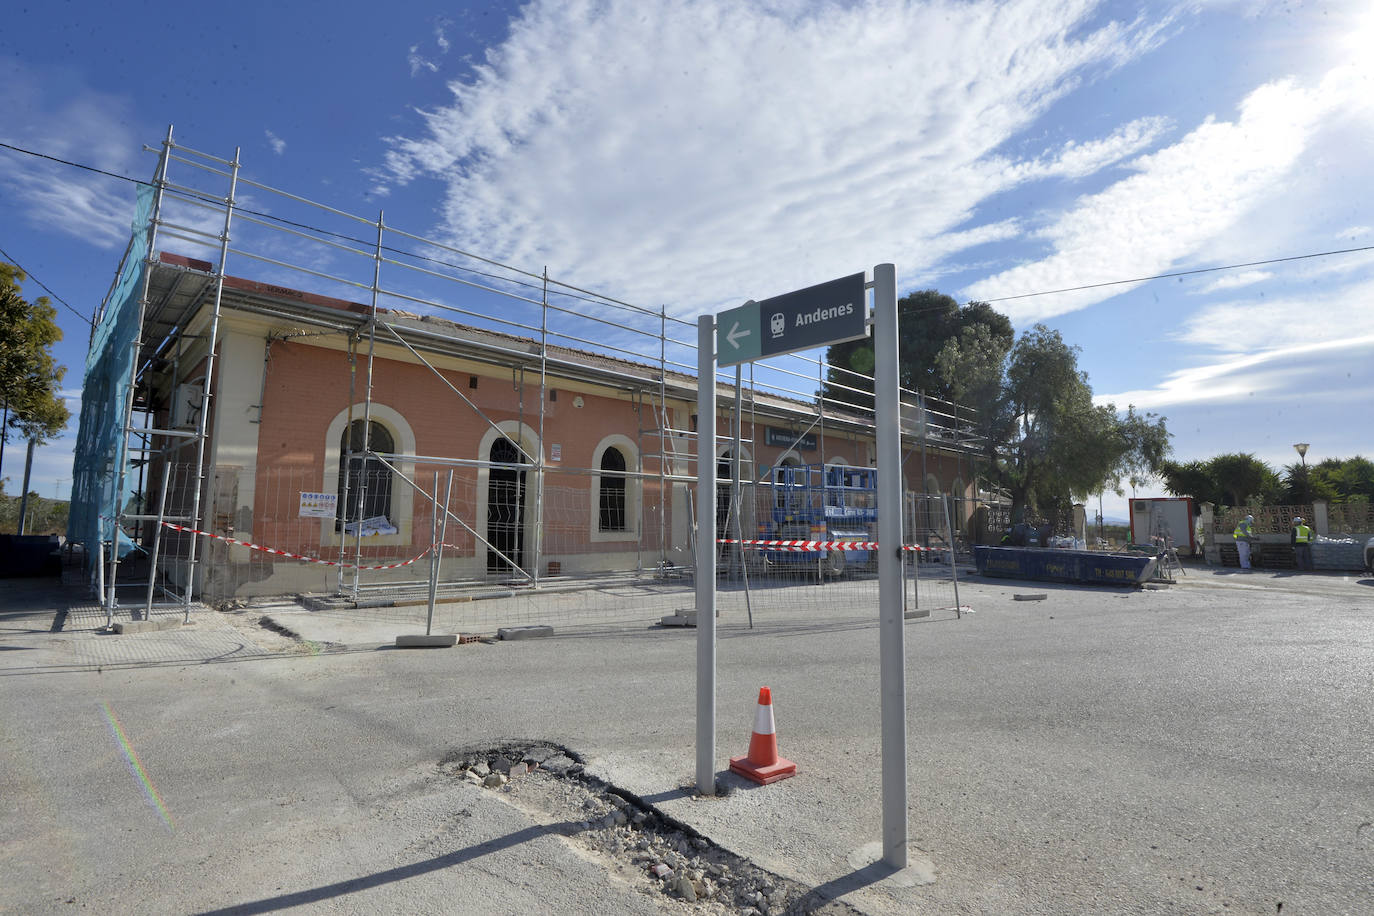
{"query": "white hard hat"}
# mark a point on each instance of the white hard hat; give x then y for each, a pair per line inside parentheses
(1297, 520)
(1249, 518)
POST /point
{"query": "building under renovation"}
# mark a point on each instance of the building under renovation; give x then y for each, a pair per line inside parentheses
(282, 398)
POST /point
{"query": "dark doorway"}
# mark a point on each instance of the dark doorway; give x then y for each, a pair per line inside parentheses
(505, 509)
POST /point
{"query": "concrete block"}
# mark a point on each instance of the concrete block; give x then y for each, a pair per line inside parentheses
(147, 626)
(913, 615)
(531, 632)
(421, 641)
(1039, 596)
(680, 619)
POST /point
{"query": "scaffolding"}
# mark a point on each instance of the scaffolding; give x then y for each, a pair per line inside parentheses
(155, 492)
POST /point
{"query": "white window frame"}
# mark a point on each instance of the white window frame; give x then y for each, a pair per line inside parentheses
(634, 491)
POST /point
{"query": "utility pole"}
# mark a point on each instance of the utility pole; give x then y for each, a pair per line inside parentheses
(24, 500)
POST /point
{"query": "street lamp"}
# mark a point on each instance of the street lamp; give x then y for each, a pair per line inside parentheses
(1302, 455)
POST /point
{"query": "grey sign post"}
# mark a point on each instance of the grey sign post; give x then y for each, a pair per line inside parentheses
(706, 555)
(813, 317)
(891, 621)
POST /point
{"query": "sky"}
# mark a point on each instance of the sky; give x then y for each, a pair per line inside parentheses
(698, 153)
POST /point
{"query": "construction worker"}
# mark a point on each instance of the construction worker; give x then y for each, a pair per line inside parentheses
(1301, 539)
(1245, 536)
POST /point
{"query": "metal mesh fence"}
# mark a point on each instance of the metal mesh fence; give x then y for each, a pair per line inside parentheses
(372, 529)
(815, 543)
(518, 547)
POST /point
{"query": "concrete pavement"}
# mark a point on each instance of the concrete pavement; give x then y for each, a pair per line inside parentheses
(1202, 748)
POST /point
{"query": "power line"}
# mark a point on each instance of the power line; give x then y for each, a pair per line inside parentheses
(1048, 292)
(1184, 273)
(595, 297)
(75, 165)
(29, 274)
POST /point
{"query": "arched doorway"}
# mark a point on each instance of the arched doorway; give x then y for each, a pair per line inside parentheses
(505, 508)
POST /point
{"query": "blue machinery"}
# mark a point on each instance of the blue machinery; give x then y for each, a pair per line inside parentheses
(816, 502)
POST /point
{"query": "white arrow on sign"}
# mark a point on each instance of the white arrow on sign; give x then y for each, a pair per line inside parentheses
(736, 335)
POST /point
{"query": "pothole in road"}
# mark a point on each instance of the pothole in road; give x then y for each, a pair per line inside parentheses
(654, 853)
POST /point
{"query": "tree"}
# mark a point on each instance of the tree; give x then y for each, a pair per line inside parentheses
(970, 365)
(927, 320)
(29, 377)
(1302, 487)
(1043, 438)
(1232, 479)
(1341, 480)
(1193, 479)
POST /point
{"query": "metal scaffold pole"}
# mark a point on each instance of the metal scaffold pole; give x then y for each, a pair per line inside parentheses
(157, 542)
(662, 413)
(737, 496)
(121, 458)
(207, 394)
(367, 408)
(346, 459)
(539, 455)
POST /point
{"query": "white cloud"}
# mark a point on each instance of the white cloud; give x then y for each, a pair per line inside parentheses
(1180, 198)
(90, 128)
(1255, 325)
(1234, 280)
(277, 143)
(419, 62)
(1078, 160)
(1272, 373)
(690, 154)
(1270, 346)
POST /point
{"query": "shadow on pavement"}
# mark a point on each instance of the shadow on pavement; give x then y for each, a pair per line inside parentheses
(835, 888)
(391, 875)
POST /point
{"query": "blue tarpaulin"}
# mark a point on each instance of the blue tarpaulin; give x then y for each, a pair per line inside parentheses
(101, 462)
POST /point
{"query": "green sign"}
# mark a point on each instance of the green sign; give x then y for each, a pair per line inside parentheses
(817, 316)
(737, 334)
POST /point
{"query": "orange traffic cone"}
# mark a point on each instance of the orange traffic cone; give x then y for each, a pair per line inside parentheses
(762, 764)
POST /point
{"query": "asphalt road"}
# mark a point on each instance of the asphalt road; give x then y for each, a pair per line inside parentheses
(1207, 747)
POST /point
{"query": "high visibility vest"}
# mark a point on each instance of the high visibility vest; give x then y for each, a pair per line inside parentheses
(1243, 531)
(1304, 534)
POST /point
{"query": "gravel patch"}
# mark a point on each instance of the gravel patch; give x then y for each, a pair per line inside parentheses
(655, 854)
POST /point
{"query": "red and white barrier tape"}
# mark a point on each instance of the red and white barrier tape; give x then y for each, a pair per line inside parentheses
(807, 546)
(294, 556)
(789, 546)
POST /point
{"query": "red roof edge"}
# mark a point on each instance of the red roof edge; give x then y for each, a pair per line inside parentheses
(266, 289)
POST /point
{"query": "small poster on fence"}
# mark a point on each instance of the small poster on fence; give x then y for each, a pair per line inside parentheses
(318, 505)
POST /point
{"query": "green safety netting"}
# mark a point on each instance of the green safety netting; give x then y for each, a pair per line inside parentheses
(101, 462)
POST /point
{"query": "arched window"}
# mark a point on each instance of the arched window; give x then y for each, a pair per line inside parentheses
(612, 491)
(615, 491)
(364, 474)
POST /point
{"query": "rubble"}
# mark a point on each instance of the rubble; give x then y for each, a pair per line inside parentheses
(648, 848)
